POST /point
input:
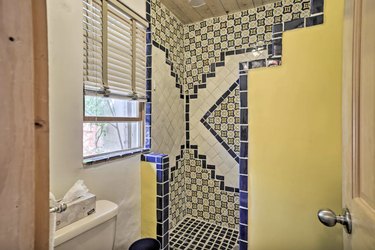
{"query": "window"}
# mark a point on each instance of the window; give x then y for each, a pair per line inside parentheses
(114, 78)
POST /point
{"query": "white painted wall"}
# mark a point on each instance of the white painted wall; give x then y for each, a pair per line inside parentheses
(117, 181)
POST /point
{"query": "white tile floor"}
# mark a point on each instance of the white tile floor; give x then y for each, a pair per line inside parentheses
(196, 234)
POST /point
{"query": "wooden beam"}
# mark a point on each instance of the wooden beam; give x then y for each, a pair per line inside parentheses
(17, 174)
(41, 121)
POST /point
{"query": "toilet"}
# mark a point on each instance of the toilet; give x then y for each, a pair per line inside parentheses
(94, 232)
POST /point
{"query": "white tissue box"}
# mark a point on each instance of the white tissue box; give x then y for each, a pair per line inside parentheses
(76, 210)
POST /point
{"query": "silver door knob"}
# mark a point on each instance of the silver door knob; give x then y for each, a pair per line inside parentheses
(329, 218)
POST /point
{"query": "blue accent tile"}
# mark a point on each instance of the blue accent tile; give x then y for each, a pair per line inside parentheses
(243, 82)
(277, 28)
(315, 20)
(148, 119)
(148, 108)
(148, 7)
(229, 53)
(244, 149)
(219, 138)
(165, 226)
(221, 185)
(166, 200)
(243, 183)
(243, 99)
(244, 133)
(148, 48)
(220, 64)
(243, 216)
(243, 232)
(243, 166)
(294, 24)
(149, 72)
(232, 87)
(159, 202)
(243, 116)
(220, 177)
(232, 153)
(317, 6)
(243, 199)
(243, 245)
(159, 229)
(162, 215)
(240, 51)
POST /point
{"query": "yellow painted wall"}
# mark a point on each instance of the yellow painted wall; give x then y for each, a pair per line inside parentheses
(295, 140)
(148, 199)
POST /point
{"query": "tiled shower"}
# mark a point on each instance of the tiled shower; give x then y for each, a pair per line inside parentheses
(197, 115)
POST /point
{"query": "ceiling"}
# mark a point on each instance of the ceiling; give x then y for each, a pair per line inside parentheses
(187, 14)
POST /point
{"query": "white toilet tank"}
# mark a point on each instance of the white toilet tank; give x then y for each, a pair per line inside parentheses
(94, 232)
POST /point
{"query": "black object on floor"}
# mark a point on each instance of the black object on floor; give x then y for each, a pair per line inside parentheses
(145, 244)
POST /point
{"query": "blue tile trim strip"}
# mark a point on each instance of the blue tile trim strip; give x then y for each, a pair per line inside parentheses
(148, 105)
(243, 163)
(162, 198)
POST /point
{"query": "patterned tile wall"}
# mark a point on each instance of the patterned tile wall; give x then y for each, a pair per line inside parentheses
(178, 194)
(167, 33)
(205, 40)
(205, 197)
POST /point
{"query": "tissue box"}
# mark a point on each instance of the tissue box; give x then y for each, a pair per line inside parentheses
(76, 210)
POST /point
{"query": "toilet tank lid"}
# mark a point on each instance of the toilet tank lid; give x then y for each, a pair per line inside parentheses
(105, 210)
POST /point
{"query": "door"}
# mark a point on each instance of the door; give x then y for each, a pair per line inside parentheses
(359, 122)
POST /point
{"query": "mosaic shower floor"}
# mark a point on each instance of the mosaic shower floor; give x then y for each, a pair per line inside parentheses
(196, 234)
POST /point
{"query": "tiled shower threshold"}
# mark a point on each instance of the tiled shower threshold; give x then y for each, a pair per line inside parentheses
(192, 233)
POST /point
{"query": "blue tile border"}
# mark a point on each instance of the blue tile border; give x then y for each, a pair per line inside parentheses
(148, 104)
(162, 197)
(243, 162)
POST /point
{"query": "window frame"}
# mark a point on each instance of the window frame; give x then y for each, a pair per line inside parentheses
(136, 19)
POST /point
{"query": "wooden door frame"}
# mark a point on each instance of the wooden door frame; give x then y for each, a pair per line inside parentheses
(24, 134)
(363, 217)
